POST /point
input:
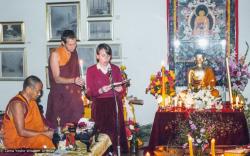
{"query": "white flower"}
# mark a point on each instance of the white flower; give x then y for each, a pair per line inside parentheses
(201, 99)
(159, 99)
(131, 127)
(202, 130)
(198, 140)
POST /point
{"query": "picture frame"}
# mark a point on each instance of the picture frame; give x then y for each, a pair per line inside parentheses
(100, 30)
(183, 27)
(11, 32)
(86, 53)
(60, 17)
(116, 62)
(51, 48)
(47, 77)
(100, 8)
(116, 51)
(13, 64)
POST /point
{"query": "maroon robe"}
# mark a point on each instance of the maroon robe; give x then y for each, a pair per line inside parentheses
(103, 109)
(65, 100)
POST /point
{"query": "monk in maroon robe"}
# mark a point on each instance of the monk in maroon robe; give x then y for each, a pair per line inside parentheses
(102, 95)
(65, 98)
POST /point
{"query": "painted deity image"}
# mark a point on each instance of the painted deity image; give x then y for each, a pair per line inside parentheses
(197, 25)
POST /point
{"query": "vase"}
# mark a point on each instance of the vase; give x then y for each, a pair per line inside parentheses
(199, 152)
(134, 145)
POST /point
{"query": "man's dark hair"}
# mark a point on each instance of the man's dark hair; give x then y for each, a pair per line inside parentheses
(67, 34)
(31, 81)
(106, 47)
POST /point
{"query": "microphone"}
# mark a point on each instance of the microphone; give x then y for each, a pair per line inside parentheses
(109, 70)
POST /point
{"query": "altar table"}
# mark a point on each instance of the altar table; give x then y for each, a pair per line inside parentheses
(161, 134)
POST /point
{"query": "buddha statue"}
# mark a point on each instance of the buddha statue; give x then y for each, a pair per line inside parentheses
(201, 77)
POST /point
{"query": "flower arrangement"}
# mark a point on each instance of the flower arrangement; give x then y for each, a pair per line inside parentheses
(199, 130)
(202, 128)
(132, 133)
(155, 86)
(203, 99)
(124, 74)
(239, 72)
(132, 129)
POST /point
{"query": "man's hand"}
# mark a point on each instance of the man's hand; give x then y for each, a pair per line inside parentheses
(79, 81)
(49, 133)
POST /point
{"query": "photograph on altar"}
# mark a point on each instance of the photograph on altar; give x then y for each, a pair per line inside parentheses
(200, 26)
(60, 17)
(13, 65)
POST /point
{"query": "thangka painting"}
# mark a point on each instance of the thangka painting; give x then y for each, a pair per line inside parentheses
(204, 26)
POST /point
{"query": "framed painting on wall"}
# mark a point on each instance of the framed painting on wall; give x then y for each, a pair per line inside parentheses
(99, 8)
(60, 17)
(50, 48)
(86, 53)
(47, 77)
(13, 64)
(12, 32)
(200, 26)
(100, 30)
(116, 51)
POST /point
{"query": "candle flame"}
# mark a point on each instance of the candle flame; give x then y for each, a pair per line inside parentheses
(162, 63)
(81, 62)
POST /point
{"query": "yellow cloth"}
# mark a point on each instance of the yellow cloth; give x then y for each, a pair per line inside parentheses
(97, 148)
(33, 121)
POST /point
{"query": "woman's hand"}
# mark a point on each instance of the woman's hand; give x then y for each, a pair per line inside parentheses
(118, 89)
(104, 89)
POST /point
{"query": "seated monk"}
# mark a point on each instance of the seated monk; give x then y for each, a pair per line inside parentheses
(23, 126)
(201, 77)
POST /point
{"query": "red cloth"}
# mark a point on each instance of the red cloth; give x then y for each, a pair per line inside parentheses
(165, 127)
(65, 100)
(103, 109)
(97, 79)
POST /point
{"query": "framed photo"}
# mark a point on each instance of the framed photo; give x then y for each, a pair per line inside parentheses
(99, 8)
(51, 48)
(116, 51)
(87, 55)
(13, 64)
(60, 17)
(12, 32)
(47, 77)
(117, 62)
(100, 30)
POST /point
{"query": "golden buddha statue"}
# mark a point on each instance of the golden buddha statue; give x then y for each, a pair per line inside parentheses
(201, 77)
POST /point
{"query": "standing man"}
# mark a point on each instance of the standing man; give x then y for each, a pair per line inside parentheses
(65, 98)
(23, 126)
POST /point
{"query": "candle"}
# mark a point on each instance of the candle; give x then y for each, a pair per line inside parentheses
(237, 101)
(190, 144)
(213, 147)
(241, 103)
(175, 101)
(147, 154)
(163, 92)
(81, 67)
